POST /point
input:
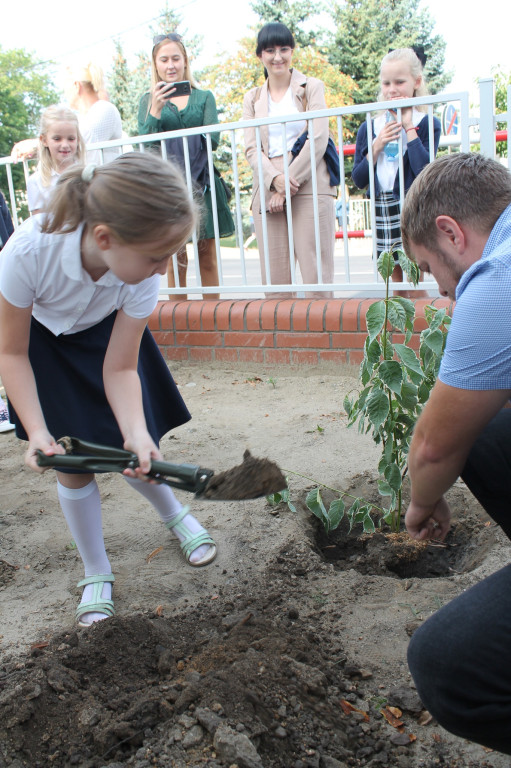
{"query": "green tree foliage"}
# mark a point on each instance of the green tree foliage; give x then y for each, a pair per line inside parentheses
(126, 86)
(502, 82)
(294, 15)
(367, 29)
(26, 88)
(120, 85)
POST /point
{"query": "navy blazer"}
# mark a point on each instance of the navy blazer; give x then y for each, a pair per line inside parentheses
(6, 225)
(415, 158)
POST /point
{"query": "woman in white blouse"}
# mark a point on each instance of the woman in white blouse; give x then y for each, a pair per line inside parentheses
(287, 91)
(99, 118)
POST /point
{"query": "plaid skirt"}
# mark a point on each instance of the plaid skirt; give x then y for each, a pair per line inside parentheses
(68, 370)
(388, 223)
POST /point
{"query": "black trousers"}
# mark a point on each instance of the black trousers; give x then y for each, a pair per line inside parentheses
(460, 658)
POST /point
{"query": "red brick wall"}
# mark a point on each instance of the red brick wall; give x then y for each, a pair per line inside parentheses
(273, 331)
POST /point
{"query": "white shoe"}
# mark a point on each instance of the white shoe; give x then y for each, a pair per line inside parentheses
(5, 424)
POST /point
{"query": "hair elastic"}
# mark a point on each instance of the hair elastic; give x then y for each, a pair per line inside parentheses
(88, 172)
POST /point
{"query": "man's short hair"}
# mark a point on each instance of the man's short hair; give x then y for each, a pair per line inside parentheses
(468, 187)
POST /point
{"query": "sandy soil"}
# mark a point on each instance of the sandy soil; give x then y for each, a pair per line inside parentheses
(274, 577)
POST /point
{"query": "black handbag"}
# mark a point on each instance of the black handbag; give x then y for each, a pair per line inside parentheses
(331, 157)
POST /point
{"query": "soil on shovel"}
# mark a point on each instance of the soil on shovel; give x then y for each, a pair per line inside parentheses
(249, 480)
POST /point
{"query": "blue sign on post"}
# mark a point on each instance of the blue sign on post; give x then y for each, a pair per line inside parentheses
(450, 120)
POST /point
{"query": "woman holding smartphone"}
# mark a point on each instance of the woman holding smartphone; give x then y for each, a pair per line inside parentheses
(170, 107)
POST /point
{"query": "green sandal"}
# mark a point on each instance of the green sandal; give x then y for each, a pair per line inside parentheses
(96, 604)
(192, 541)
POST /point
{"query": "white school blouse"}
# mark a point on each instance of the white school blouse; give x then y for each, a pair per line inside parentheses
(37, 194)
(387, 168)
(45, 271)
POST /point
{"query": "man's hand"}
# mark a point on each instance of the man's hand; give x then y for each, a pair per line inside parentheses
(428, 522)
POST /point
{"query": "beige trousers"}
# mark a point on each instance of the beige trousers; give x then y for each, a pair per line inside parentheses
(304, 242)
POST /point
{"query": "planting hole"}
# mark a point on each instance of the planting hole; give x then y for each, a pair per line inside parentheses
(385, 553)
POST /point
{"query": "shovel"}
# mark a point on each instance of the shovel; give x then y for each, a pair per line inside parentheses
(249, 480)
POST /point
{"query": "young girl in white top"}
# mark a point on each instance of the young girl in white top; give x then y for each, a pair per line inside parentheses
(401, 77)
(60, 145)
(77, 286)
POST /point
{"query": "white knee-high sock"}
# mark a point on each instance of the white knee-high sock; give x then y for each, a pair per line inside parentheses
(82, 510)
(168, 507)
(160, 496)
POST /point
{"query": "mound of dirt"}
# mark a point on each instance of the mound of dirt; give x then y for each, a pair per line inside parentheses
(247, 680)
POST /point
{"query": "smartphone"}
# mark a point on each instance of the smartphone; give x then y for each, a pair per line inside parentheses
(182, 88)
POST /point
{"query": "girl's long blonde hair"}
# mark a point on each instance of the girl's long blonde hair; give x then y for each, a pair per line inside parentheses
(409, 56)
(55, 114)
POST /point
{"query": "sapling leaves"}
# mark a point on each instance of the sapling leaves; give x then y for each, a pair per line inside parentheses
(396, 383)
(375, 317)
(396, 314)
(391, 374)
(409, 267)
(433, 339)
(316, 506)
(385, 265)
(335, 513)
(393, 476)
(377, 407)
(281, 497)
(423, 392)
(408, 358)
(408, 397)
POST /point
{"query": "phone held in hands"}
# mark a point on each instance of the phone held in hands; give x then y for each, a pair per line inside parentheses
(181, 88)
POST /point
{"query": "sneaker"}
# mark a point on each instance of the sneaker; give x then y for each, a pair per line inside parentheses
(5, 424)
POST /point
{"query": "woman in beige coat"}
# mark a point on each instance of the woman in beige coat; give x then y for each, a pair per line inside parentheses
(287, 91)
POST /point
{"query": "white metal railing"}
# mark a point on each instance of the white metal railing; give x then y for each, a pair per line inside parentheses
(355, 263)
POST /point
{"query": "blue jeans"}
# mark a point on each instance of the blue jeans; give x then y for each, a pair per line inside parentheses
(460, 658)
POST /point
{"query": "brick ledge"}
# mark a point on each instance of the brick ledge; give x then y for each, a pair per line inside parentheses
(273, 331)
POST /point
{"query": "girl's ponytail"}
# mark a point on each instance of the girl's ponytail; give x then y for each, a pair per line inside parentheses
(66, 208)
(138, 196)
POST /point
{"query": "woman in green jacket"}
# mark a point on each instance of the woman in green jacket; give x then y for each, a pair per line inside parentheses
(160, 111)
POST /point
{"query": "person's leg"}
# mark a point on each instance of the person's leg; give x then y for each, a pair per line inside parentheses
(460, 660)
(487, 471)
(278, 249)
(182, 266)
(208, 265)
(81, 504)
(199, 548)
(305, 240)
